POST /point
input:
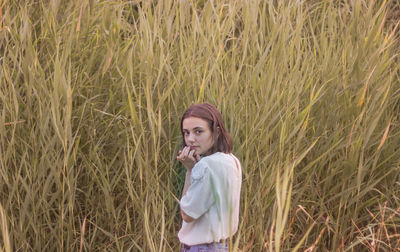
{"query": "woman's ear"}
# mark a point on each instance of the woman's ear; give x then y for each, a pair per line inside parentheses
(218, 131)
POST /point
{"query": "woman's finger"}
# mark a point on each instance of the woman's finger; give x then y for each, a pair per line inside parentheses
(191, 156)
(185, 151)
(181, 154)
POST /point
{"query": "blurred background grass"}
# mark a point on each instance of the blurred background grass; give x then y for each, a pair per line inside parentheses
(92, 93)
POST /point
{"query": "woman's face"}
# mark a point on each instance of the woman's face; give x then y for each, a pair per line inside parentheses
(197, 134)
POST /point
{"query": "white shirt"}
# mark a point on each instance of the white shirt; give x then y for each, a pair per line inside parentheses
(212, 199)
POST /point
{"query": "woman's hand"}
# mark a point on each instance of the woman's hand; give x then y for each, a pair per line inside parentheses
(188, 158)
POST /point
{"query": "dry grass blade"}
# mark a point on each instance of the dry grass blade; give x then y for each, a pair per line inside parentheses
(4, 231)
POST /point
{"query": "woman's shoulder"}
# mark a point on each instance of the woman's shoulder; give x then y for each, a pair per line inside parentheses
(210, 159)
(219, 156)
(218, 159)
(207, 161)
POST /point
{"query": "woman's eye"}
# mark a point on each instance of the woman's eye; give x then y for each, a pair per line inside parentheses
(198, 131)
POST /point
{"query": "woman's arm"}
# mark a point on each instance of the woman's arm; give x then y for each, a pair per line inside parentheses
(187, 157)
(186, 217)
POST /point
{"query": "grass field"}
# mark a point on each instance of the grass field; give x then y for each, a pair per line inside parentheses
(91, 95)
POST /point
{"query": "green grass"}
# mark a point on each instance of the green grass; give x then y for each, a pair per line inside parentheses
(91, 95)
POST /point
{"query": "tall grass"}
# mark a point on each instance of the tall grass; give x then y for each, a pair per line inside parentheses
(92, 93)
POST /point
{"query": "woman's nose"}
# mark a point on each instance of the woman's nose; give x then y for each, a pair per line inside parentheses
(190, 138)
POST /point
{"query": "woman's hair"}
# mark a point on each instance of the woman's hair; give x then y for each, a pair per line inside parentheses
(209, 113)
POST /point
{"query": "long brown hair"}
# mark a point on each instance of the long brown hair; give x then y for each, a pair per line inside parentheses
(209, 113)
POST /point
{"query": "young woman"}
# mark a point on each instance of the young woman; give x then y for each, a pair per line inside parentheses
(211, 194)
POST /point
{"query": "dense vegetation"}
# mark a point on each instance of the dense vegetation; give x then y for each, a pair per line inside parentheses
(91, 94)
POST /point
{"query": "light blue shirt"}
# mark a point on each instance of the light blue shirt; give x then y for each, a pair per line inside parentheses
(212, 199)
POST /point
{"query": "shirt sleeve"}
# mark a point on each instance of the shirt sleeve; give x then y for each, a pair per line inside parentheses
(198, 198)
